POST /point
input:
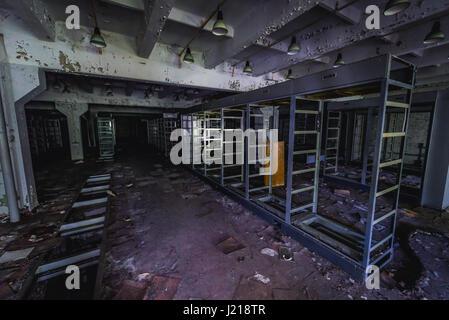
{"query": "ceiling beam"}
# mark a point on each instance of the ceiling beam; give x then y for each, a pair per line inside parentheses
(257, 23)
(129, 4)
(37, 16)
(351, 14)
(319, 39)
(368, 49)
(195, 21)
(155, 16)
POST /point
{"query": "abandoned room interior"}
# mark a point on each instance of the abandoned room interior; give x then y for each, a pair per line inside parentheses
(224, 150)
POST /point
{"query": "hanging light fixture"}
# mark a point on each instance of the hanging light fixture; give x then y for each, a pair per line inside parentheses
(339, 61)
(435, 34)
(395, 6)
(97, 39)
(293, 48)
(290, 75)
(248, 68)
(188, 58)
(220, 28)
(56, 84)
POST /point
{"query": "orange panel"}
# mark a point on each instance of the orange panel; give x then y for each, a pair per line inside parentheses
(278, 177)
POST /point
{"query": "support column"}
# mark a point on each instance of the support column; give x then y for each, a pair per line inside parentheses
(7, 172)
(20, 84)
(435, 193)
(73, 112)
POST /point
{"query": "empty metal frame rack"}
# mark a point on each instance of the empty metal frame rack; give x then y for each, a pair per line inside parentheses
(306, 99)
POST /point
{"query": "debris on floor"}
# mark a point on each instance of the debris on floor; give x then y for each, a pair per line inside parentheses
(261, 278)
(10, 256)
(162, 288)
(285, 253)
(229, 245)
(269, 252)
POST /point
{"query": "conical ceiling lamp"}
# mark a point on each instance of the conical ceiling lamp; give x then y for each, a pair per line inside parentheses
(188, 58)
(435, 34)
(248, 68)
(97, 39)
(395, 6)
(290, 75)
(56, 84)
(220, 28)
(293, 48)
(339, 61)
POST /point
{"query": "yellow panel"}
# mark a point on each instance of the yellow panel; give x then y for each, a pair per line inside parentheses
(278, 177)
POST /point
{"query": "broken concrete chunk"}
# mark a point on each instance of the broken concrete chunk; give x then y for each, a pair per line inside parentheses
(143, 276)
(261, 278)
(269, 252)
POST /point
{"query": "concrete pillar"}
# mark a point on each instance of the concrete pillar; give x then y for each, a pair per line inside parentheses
(19, 84)
(436, 179)
(73, 111)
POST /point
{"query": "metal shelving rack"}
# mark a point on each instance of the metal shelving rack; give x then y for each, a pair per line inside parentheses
(169, 123)
(232, 174)
(212, 142)
(106, 137)
(306, 97)
(312, 113)
(332, 145)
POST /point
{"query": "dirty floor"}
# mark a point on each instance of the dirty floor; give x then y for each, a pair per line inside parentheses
(171, 236)
(171, 228)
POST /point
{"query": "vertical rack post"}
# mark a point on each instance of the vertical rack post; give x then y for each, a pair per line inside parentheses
(291, 143)
(222, 126)
(246, 158)
(369, 119)
(316, 179)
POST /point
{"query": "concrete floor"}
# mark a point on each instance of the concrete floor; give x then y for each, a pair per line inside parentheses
(168, 223)
(163, 234)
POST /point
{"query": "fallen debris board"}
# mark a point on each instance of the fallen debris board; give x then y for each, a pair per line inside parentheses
(89, 202)
(95, 212)
(16, 255)
(162, 288)
(131, 290)
(342, 192)
(229, 245)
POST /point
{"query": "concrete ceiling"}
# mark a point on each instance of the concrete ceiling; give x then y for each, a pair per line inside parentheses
(260, 30)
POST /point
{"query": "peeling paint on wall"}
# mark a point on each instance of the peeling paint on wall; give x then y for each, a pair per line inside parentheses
(67, 65)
